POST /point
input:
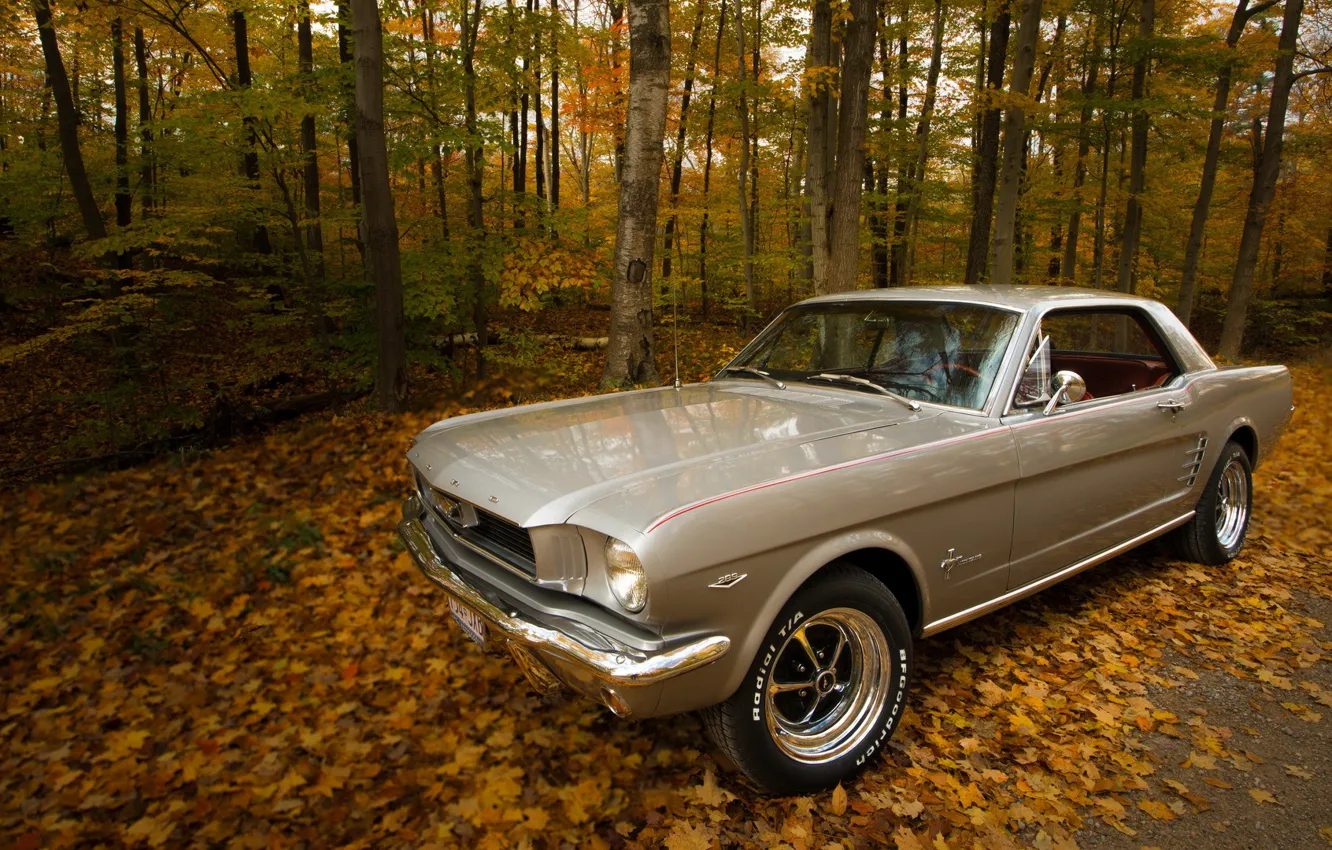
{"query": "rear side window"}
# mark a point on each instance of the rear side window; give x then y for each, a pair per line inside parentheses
(1115, 352)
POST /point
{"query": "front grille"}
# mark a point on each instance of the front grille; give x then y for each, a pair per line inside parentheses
(508, 540)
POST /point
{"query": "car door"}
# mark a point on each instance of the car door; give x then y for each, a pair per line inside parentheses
(1100, 471)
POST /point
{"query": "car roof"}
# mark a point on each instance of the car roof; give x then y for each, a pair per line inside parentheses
(1015, 297)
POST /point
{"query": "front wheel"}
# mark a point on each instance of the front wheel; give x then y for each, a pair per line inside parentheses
(1216, 533)
(826, 690)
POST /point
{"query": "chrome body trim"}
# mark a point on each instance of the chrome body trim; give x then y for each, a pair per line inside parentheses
(1052, 579)
(608, 667)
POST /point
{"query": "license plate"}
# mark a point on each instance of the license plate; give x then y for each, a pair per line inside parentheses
(469, 621)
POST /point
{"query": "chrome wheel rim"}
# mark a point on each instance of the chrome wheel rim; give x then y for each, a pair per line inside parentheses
(1232, 504)
(829, 682)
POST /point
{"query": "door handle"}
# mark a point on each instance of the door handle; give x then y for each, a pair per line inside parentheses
(1173, 405)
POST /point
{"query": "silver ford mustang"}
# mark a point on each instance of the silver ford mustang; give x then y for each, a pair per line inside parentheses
(873, 468)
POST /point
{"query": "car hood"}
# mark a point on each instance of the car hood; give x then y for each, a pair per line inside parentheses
(540, 464)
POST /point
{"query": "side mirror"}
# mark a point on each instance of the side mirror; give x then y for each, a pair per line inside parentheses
(1069, 387)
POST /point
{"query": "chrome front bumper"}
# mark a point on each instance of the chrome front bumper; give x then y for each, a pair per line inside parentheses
(595, 672)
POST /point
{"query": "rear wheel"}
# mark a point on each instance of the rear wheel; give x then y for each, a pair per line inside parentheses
(1216, 533)
(827, 689)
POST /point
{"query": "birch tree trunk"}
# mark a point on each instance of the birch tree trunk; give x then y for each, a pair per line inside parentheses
(1264, 185)
(844, 238)
(67, 121)
(1024, 62)
(379, 225)
(1188, 280)
(629, 358)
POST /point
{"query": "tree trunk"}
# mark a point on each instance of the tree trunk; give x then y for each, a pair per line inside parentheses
(67, 120)
(314, 234)
(554, 107)
(923, 130)
(1264, 185)
(346, 59)
(1024, 62)
(1327, 265)
(146, 175)
(629, 357)
(1132, 233)
(978, 245)
(880, 245)
(124, 201)
(746, 222)
(476, 223)
(819, 75)
(681, 133)
(844, 238)
(250, 160)
(707, 165)
(898, 254)
(1188, 280)
(379, 225)
(616, 10)
(1068, 268)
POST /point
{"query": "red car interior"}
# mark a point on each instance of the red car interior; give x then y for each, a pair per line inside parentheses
(1113, 375)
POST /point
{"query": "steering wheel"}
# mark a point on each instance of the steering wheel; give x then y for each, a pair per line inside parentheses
(961, 367)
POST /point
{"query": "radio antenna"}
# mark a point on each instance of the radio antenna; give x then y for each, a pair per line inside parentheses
(675, 333)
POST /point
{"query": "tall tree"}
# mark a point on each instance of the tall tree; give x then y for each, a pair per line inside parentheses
(629, 353)
(677, 166)
(314, 234)
(1202, 207)
(475, 159)
(67, 120)
(346, 59)
(146, 169)
(820, 73)
(379, 224)
(1069, 264)
(707, 163)
(742, 174)
(844, 235)
(1024, 62)
(250, 159)
(987, 153)
(923, 132)
(1132, 234)
(1264, 184)
(554, 106)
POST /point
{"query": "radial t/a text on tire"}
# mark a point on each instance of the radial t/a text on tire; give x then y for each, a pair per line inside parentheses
(826, 690)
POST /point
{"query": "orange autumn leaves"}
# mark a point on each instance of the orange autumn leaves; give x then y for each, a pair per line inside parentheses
(235, 650)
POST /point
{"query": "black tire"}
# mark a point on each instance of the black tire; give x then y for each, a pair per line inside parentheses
(1216, 533)
(843, 606)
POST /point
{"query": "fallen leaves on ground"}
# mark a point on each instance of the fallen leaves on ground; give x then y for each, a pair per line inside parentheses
(236, 650)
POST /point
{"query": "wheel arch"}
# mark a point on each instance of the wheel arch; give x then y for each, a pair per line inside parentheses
(893, 571)
(1243, 432)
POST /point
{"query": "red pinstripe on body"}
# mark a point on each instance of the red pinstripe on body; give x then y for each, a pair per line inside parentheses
(657, 523)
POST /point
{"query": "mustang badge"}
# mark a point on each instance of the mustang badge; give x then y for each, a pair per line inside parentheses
(955, 561)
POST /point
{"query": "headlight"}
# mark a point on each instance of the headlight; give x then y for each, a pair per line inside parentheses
(627, 580)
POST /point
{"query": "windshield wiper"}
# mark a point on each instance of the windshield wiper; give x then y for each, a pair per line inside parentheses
(861, 382)
(758, 373)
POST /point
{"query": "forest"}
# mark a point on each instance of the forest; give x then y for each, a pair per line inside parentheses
(249, 250)
(217, 213)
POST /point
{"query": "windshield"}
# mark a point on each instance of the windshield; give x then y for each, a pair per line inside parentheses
(930, 351)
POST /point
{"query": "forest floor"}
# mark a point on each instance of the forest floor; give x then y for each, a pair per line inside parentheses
(234, 649)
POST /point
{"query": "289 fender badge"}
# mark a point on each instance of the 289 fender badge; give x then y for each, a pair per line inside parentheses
(729, 580)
